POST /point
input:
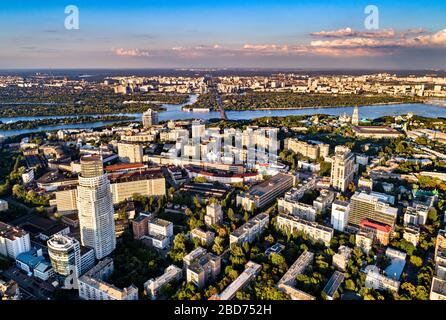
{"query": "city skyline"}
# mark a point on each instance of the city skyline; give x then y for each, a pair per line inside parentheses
(282, 34)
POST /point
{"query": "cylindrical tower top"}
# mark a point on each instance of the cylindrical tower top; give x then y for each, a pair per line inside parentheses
(91, 166)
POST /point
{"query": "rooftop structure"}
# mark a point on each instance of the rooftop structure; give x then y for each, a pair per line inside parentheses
(248, 231)
(298, 267)
(153, 286)
(333, 284)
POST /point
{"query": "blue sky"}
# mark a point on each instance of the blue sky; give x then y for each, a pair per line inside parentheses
(222, 34)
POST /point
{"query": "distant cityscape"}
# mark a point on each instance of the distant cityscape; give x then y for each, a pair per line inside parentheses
(297, 207)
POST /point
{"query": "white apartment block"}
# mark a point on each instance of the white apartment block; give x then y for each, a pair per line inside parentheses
(416, 215)
(93, 285)
(153, 286)
(13, 241)
(130, 152)
(214, 214)
(314, 230)
(251, 271)
(248, 231)
(296, 208)
(339, 214)
(341, 258)
(375, 279)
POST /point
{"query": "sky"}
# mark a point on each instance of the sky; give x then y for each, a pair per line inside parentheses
(223, 34)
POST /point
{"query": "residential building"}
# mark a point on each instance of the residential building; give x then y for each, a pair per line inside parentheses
(288, 205)
(95, 205)
(267, 191)
(201, 266)
(214, 214)
(93, 285)
(13, 241)
(298, 267)
(251, 271)
(66, 201)
(372, 206)
(412, 234)
(341, 258)
(342, 168)
(438, 289)
(311, 149)
(130, 152)
(333, 285)
(364, 241)
(153, 286)
(149, 118)
(324, 200)
(28, 176)
(206, 238)
(375, 279)
(416, 215)
(159, 233)
(314, 230)
(249, 231)
(340, 211)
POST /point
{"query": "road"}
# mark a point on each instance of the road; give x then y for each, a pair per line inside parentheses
(221, 107)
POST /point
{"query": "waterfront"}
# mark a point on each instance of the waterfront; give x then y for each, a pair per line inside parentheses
(175, 112)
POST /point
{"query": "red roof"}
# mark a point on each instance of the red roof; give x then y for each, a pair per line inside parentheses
(124, 166)
(375, 225)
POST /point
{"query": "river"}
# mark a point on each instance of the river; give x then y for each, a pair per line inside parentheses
(175, 112)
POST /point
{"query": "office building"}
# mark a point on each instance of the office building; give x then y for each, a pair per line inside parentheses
(201, 266)
(95, 205)
(266, 192)
(250, 230)
(33, 263)
(153, 286)
(342, 168)
(340, 211)
(311, 149)
(69, 259)
(198, 130)
(130, 152)
(214, 214)
(341, 258)
(314, 230)
(251, 271)
(13, 241)
(379, 231)
(149, 118)
(145, 183)
(93, 285)
(372, 206)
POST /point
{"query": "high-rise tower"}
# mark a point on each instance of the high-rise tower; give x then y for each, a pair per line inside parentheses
(149, 118)
(94, 201)
(355, 116)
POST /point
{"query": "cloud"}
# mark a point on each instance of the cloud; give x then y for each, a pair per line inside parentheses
(338, 43)
(131, 52)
